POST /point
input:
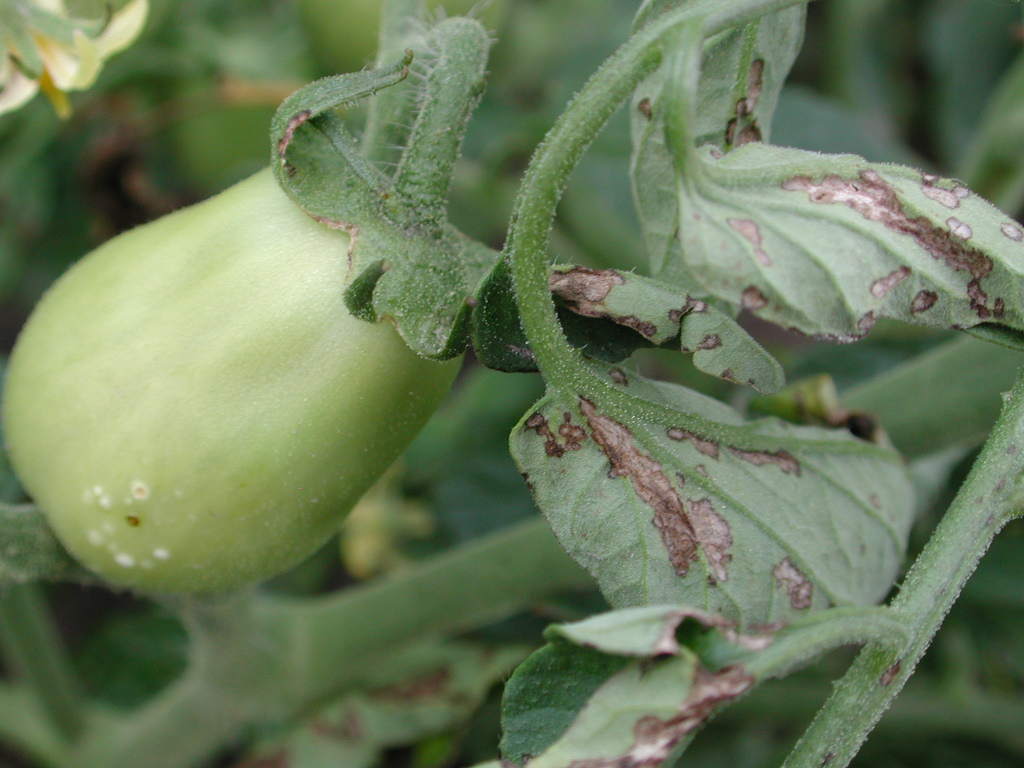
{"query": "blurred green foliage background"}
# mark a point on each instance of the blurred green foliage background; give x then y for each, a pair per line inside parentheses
(184, 113)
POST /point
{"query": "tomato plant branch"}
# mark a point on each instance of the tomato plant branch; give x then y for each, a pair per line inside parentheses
(266, 659)
(453, 88)
(391, 110)
(33, 652)
(825, 631)
(988, 499)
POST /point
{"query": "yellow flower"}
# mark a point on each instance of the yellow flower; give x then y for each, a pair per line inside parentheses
(42, 48)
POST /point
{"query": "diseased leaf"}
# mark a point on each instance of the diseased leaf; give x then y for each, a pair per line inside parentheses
(427, 689)
(546, 693)
(643, 713)
(661, 314)
(828, 245)
(609, 314)
(741, 78)
(649, 631)
(757, 521)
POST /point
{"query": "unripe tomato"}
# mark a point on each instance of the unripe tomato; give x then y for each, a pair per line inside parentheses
(344, 33)
(193, 406)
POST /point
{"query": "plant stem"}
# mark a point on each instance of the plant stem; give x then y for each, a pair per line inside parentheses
(265, 659)
(825, 631)
(562, 149)
(34, 653)
(988, 499)
(390, 112)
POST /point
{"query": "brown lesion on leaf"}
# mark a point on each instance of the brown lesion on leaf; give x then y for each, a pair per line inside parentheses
(714, 535)
(584, 291)
(781, 459)
(749, 229)
(683, 526)
(619, 377)
(923, 301)
(347, 728)
(876, 200)
(429, 685)
(289, 134)
(743, 128)
(881, 287)
(749, 134)
(668, 644)
(654, 738)
(572, 435)
(947, 197)
(1012, 231)
(890, 674)
(799, 587)
(650, 483)
(711, 341)
(752, 299)
(707, 447)
(644, 108)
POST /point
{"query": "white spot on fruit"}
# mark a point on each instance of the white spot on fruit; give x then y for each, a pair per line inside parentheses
(124, 560)
(95, 537)
(161, 554)
(140, 490)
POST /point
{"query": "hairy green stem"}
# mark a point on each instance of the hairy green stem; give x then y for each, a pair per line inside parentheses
(34, 653)
(988, 499)
(826, 631)
(918, 711)
(453, 88)
(559, 154)
(390, 112)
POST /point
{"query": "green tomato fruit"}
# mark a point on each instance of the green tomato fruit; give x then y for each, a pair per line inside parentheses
(343, 33)
(193, 406)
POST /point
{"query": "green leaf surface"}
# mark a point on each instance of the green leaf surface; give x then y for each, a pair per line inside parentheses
(966, 46)
(547, 692)
(132, 656)
(956, 388)
(994, 161)
(759, 521)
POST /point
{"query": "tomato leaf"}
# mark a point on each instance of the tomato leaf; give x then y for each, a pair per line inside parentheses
(758, 521)
(609, 314)
(638, 716)
(740, 80)
(426, 689)
(826, 245)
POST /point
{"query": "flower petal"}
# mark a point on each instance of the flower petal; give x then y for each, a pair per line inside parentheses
(58, 61)
(124, 27)
(90, 61)
(16, 88)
